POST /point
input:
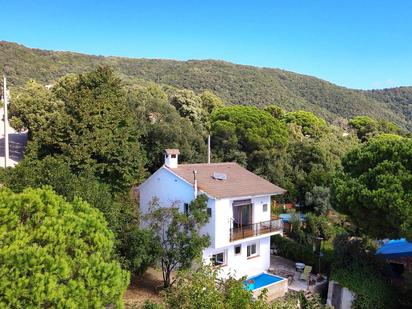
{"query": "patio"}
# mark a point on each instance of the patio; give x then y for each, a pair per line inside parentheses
(286, 268)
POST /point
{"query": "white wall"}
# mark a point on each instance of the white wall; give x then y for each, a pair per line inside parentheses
(342, 301)
(224, 215)
(172, 190)
(240, 265)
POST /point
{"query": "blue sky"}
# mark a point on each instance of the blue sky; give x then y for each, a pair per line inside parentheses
(358, 44)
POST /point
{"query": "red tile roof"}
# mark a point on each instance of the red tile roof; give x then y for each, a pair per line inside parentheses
(172, 151)
(239, 182)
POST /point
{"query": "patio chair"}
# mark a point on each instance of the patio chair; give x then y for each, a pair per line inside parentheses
(306, 273)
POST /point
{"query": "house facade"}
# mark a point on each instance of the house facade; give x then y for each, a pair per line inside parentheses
(240, 223)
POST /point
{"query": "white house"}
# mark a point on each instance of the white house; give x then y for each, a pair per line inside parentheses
(240, 222)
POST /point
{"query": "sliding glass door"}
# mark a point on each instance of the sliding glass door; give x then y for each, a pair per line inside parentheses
(242, 215)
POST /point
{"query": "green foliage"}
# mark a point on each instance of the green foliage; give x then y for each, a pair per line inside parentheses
(397, 99)
(247, 135)
(34, 108)
(235, 84)
(56, 173)
(371, 289)
(210, 101)
(275, 110)
(292, 250)
(349, 250)
(356, 267)
(91, 126)
(136, 248)
(311, 124)
(56, 254)
(364, 126)
(311, 162)
(376, 183)
(162, 127)
(189, 105)
(297, 300)
(318, 226)
(367, 127)
(148, 304)
(202, 288)
(319, 199)
(178, 234)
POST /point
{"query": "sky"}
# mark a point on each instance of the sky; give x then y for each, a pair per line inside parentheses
(358, 44)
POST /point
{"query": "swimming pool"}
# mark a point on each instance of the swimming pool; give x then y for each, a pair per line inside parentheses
(260, 281)
(276, 286)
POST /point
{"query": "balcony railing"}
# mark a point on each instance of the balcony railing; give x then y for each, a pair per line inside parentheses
(255, 229)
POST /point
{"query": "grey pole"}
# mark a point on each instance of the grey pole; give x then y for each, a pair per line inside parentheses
(208, 149)
(6, 121)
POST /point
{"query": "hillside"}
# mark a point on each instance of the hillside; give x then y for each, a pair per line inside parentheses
(236, 84)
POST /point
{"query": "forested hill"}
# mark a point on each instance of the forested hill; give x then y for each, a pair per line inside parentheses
(236, 84)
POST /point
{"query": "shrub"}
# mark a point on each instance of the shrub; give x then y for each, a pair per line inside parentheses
(371, 289)
(204, 289)
(290, 249)
(56, 254)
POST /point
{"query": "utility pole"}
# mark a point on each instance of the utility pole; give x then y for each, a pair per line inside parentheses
(6, 122)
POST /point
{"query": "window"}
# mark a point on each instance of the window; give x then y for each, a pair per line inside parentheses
(238, 249)
(209, 212)
(252, 250)
(219, 259)
(265, 207)
(173, 156)
(186, 208)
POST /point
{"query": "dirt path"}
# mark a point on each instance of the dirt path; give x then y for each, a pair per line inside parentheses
(143, 288)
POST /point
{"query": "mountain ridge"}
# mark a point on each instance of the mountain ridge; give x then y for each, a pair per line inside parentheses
(235, 83)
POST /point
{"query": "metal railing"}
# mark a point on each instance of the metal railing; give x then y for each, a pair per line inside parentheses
(255, 229)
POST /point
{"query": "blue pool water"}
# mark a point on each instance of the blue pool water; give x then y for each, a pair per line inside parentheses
(260, 281)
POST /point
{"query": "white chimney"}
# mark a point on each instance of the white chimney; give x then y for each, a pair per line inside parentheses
(195, 182)
(171, 157)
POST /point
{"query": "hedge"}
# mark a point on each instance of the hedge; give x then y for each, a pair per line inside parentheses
(371, 289)
(296, 252)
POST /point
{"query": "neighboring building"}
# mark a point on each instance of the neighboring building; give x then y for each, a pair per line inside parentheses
(398, 253)
(239, 202)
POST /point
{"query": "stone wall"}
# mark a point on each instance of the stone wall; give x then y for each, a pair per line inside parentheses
(339, 297)
(276, 290)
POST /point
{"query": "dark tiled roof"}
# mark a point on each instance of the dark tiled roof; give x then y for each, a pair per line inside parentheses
(239, 182)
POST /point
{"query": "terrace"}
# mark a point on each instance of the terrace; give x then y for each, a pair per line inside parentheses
(255, 229)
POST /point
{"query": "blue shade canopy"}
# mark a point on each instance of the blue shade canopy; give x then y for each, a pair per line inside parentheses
(396, 248)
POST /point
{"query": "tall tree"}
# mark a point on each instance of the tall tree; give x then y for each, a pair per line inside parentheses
(91, 127)
(210, 101)
(163, 127)
(367, 127)
(136, 247)
(375, 187)
(247, 135)
(189, 105)
(178, 234)
(311, 124)
(56, 254)
(275, 110)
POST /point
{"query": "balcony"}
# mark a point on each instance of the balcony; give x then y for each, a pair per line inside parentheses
(255, 229)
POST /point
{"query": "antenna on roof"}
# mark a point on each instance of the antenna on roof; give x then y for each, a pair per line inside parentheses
(208, 149)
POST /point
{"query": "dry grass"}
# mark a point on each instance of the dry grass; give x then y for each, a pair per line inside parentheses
(143, 288)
